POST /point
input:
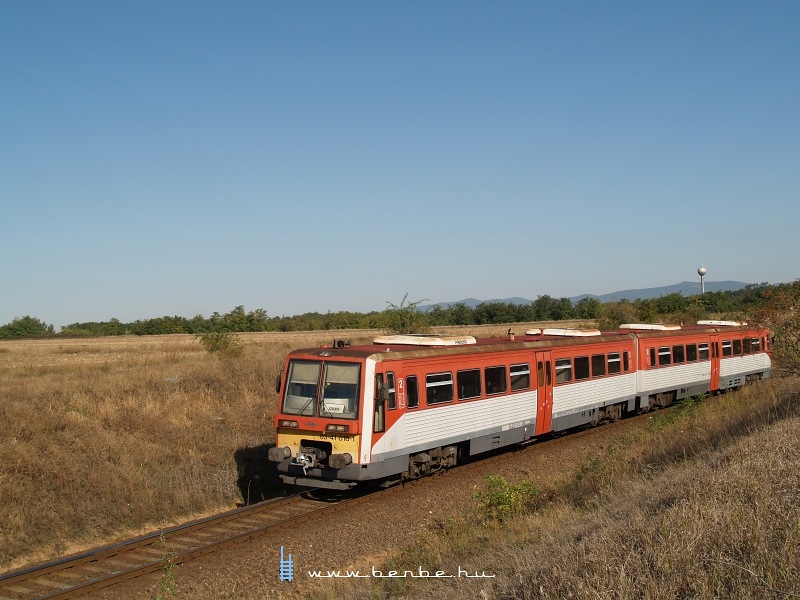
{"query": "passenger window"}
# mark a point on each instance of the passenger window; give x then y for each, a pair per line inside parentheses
(581, 368)
(495, 380)
(438, 388)
(563, 370)
(627, 360)
(520, 377)
(653, 357)
(598, 365)
(737, 347)
(614, 364)
(727, 348)
(756, 345)
(748, 346)
(412, 392)
(678, 354)
(469, 384)
(702, 350)
(691, 352)
(664, 356)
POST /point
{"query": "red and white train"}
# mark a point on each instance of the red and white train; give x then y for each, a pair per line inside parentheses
(408, 405)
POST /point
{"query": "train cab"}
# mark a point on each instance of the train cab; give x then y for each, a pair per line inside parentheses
(318, 424)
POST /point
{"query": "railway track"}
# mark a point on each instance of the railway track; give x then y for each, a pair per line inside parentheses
(77, 575)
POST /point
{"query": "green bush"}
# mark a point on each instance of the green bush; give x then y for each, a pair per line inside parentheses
(26, 327)
(223, 343)
(501, 499)
(405, 318)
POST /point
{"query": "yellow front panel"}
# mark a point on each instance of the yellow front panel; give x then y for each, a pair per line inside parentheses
(343, 443)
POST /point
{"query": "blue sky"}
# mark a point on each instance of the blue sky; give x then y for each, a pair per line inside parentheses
(181, 158)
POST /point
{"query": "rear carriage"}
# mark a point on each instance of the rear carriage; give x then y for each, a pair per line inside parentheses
(405, 406)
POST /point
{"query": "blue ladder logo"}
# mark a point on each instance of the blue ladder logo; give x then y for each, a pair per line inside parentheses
(287, 568)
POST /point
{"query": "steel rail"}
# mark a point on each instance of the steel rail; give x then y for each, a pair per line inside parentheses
(79, 574)
(101, 567)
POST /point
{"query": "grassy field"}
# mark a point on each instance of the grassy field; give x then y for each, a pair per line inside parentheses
(106, 437)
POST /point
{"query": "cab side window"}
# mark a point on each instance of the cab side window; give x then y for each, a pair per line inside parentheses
(391, 393)
(412, 391)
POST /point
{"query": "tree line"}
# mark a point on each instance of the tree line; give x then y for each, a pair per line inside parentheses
(675, 307)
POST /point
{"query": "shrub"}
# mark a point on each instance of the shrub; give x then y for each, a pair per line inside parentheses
(501, 499)
(25, 327)
(223, 343)
(781, 313)
(405, 318)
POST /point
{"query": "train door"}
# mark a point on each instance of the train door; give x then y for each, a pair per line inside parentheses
(715, 358)
(544, 392)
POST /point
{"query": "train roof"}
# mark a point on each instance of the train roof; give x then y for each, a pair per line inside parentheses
(393, 347)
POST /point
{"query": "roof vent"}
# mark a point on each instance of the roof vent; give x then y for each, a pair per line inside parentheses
(650, 326)
(721, 323)
(568, 332)
(425, 340)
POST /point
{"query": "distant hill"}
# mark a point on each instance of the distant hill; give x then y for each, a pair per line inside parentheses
(687, 288)
(473, 302)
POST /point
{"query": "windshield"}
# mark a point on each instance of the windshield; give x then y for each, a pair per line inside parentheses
(339, 386)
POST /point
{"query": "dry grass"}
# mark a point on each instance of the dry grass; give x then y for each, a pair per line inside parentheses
(704, 503)
(105, 437)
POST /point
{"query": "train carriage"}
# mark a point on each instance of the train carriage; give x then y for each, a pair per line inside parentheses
(593, 380)
(405, 406)
(673, 363)
(744, 356)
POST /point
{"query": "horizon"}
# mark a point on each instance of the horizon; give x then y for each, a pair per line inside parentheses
(334, 157)
(466, 300)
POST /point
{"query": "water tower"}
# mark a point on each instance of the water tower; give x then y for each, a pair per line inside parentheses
(702, 272)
